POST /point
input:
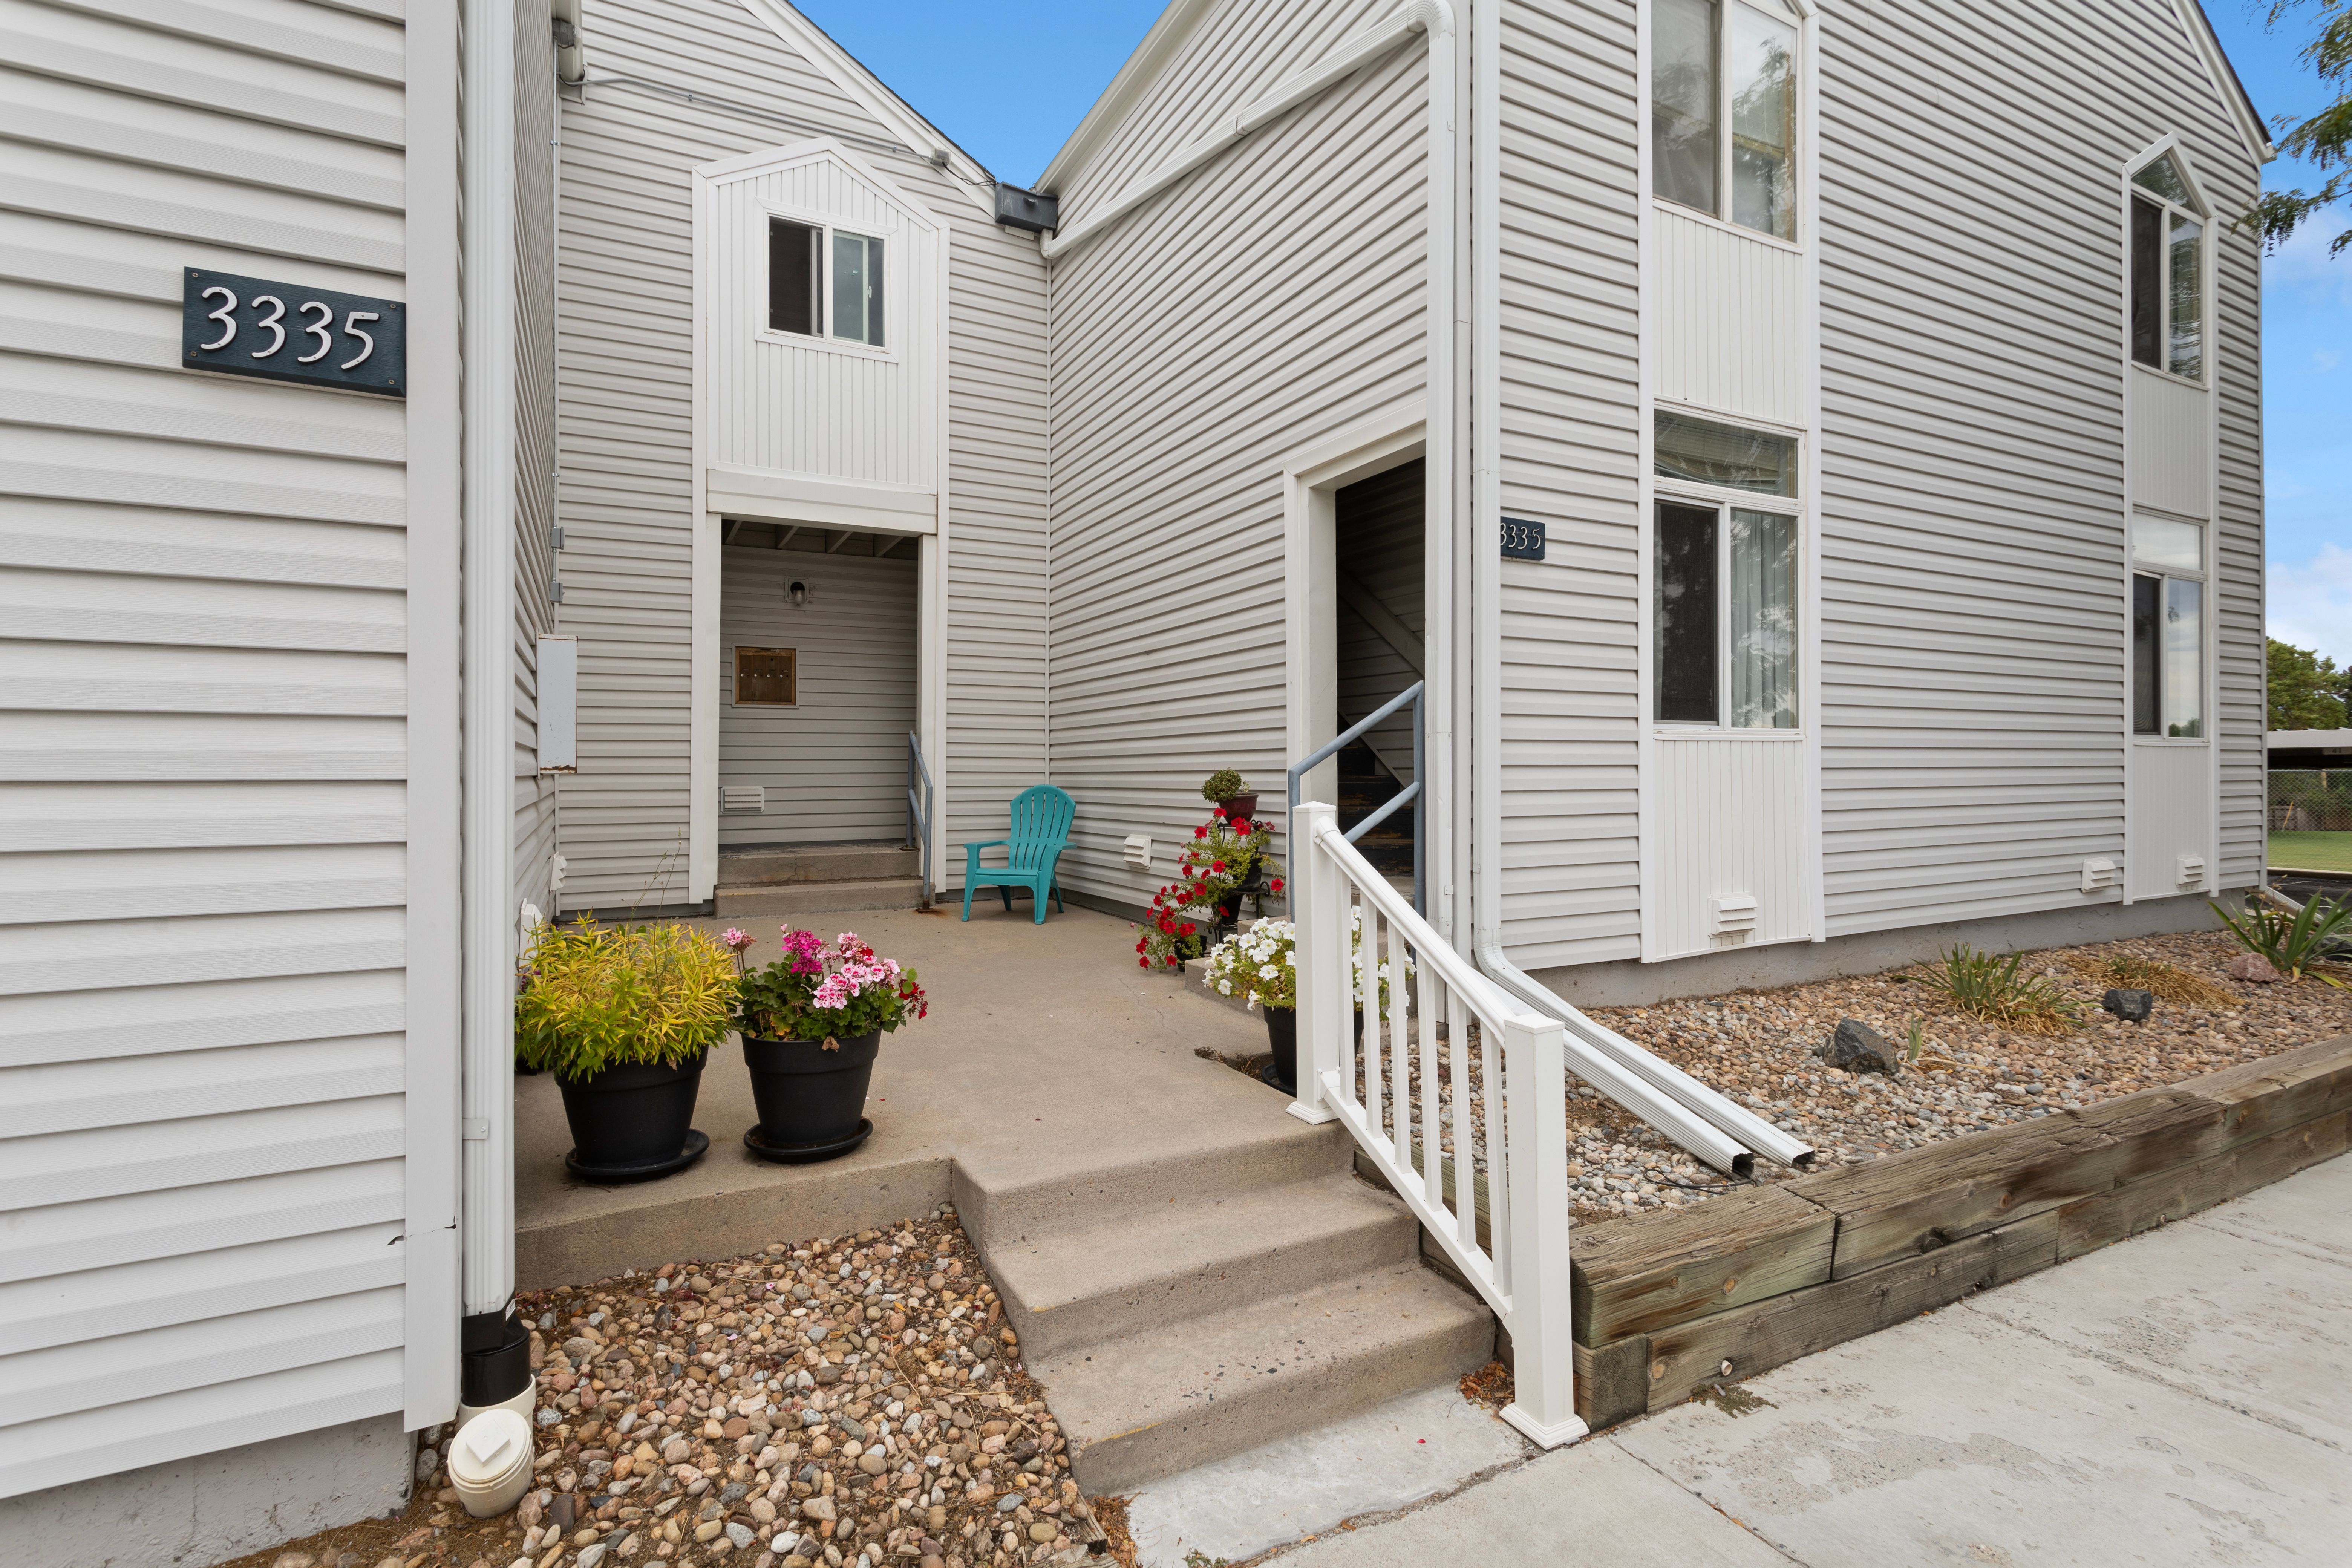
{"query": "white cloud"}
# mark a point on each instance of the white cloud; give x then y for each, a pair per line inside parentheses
(2311, 603)
(2303, 267)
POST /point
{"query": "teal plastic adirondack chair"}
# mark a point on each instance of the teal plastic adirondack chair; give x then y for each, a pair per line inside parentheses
(1040, 831)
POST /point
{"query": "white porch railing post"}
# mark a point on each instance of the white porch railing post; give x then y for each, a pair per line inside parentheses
(1319, 893)
(1535, 1075)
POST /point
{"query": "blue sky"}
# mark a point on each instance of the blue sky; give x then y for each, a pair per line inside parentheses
(1010, 81)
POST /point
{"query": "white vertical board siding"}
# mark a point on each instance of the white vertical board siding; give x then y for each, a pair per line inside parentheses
(2172, 444)
(534, 512)
(1270, 300)
(1734, 804)
(809, 405)
(1569, 444)
(834, 767)
(1973, 473)
(2172, 815)
(626, 281)
(204, 758)
(1730, 324)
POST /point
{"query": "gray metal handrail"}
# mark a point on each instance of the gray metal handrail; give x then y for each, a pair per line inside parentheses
(918, 810)
(1412, 792)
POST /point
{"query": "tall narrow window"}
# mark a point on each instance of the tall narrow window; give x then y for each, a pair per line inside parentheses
(1685, 614)
(2168, 271)
(1682, 101)
(793, 273)
(858, 288)
(1763, 620)
(2168, 628)
(1722, 111)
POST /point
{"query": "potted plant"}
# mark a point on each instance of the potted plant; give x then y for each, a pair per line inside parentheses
(1230, 859)
(1260, 966)
(812, 1024)
(622, 1016)
(1224, 790)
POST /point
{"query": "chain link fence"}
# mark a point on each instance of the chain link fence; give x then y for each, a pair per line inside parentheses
(2311, 800)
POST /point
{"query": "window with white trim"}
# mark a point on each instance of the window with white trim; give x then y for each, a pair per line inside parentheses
(798, 258)
(2168, 271)
(1725, 577)
(1722, 111)
(2167, 627)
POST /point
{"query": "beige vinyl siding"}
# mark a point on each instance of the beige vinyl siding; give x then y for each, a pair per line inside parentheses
(1270, 300)
(834, 766)
(1569, 444)
(534, 567)
(1972, 461)
(627, 352)
(206, 771)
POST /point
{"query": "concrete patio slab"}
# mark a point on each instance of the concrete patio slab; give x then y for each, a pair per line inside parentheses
(1388, 1458)
(1045, 1046)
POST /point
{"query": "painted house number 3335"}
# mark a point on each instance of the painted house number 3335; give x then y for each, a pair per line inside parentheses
(276, 308)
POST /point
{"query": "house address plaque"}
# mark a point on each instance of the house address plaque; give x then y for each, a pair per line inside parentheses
(1522, 540)
(284, 331)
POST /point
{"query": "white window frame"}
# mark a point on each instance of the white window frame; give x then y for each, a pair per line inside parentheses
(1665, 489)
(2202, 576)
(893, 317)
(2198, 209)
(1798, 174)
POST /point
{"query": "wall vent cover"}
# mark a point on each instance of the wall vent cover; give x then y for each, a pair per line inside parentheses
(2098, 875)
(743, 797)
(1731, 914)
(2188, 869)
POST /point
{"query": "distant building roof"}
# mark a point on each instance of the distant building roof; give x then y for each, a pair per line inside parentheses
(2318, 743)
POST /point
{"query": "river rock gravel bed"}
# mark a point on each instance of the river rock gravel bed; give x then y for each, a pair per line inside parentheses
(1763, 1049)
(847, 1402)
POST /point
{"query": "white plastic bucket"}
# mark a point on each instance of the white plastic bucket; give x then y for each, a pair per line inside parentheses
(489, 1462)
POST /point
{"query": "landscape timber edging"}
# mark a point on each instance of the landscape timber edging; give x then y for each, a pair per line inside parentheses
(1666, 1304)
(1922, 1227)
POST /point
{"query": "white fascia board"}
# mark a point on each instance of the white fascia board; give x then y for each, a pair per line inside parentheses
(767, 159)
(1142, 72)
(769, 495)
(2224, 76)
(916, 134)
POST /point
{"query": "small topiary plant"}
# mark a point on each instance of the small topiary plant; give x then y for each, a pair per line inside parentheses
(1221, 786)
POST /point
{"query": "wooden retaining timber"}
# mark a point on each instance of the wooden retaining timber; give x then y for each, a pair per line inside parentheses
(1757, 1280)
(1668, 1303)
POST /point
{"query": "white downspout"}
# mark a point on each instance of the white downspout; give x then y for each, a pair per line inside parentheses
(487, 597)
(1697, 1117)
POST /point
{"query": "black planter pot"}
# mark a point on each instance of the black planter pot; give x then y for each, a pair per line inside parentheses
(812, 1102)
(1282, 1038)
(634, 1122)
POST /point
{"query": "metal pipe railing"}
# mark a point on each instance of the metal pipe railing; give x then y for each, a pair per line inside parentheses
(1413, 793)
(918, 810)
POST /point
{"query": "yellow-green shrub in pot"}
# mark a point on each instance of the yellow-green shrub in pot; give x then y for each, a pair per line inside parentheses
(623, 1017)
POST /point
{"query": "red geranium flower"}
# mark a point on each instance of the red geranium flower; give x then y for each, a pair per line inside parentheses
(1277, 885)
(1242, 829)
(1144, 963)
(1220, 868)
(1190, 928)
(1202, 832)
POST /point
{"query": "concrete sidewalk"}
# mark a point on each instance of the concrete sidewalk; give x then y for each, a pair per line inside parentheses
(2183, 1399)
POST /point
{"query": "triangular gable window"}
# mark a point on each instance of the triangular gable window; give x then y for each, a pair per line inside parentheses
(2167, 270)
(2164, 178)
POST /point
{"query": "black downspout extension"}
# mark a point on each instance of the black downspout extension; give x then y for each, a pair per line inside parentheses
(495, 1365)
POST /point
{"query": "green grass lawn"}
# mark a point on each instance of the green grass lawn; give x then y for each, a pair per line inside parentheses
(2313, 851)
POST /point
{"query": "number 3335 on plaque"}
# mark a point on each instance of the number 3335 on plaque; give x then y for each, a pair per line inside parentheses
(283, 331)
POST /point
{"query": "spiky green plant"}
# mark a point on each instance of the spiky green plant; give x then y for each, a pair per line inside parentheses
(602, 996)
(1994, 987)
(2292, 943)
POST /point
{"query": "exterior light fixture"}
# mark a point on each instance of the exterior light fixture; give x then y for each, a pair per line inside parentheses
(798, 594)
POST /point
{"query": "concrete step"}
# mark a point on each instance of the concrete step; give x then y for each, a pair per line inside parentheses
(1077, 1289)
(1191, 1392)
(1003, 1211)
(820, 897)
(783, 864)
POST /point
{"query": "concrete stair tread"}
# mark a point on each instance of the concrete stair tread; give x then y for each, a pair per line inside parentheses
(1184, 1393)
(819, 897)
(1090, 1283)
(781, 865)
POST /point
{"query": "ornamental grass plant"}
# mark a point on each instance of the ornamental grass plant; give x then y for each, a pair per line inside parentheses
(1993, 987)
(597, 997)
(2293, 943)
(2165, 981)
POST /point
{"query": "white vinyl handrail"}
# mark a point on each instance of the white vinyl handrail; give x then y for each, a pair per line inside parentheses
(920, 797)
(1442, 1079)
